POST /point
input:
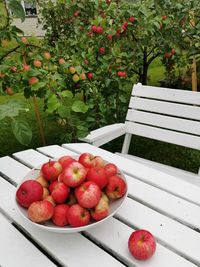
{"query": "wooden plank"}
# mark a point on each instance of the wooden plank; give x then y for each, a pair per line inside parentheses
(16, 250)
(174, 95)
(62, 247)
(182, 139)
(173, 206)
(173, 109)
(167, 182)
(31, 157)
(105, 134)
(177, 124)
(115, 235)
(174, 235)
(55, 151)
(13, 169)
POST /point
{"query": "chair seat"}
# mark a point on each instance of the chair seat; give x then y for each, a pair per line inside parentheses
(182, 174)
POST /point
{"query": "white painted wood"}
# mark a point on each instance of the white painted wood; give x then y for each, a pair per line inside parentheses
(174, 95)
(69, 249)
(178, 237)
(31, 157)
(168, 182)
(126, 144)
(105, 134)
(115, 235)
(55, 151)
(173, 137)
(172, 123)
(173, 206)
(182, 174)
(13, 169)
(173, 109)
(16, 250)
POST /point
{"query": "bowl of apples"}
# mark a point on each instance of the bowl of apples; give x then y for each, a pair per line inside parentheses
(71, 194)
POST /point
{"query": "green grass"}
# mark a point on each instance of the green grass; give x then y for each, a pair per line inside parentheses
(156, 72)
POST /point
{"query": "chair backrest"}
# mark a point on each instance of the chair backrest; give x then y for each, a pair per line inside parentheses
(169, 115)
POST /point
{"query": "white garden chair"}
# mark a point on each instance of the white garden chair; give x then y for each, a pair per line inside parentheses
(169, 115)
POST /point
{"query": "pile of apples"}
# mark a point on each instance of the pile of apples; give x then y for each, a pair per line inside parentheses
(71, 191)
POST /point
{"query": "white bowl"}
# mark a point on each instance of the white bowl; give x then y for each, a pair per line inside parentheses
(49, 226)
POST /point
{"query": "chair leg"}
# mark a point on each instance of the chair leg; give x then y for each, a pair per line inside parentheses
(126, 144)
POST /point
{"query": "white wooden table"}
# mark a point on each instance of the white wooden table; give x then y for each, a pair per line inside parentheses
(163, 204)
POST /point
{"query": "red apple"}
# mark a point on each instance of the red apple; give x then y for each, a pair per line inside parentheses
(45, 193)
(94, 28)
(99, 30)
(86, 159)
(131, 19)
(109, 37)
(26, 67)
(9, 91)
(50, 199)
(98, 175)
(51, 170)
(47, 55)
(101, 210)
(78, 216)
(101, 50)
(89, 75)
(60, 216)
(60, 192)
(37, 63)
(61, 61)
(110, 169)
(98, 161)
(28, 192)
(142, 244)
(42, 181)
(88, 194)
(73, 175)
(24, 40)
(65, 161)
(40, 211)
(116, 187)
(33, 80)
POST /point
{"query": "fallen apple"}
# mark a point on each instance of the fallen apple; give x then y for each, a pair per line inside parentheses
(142, 244)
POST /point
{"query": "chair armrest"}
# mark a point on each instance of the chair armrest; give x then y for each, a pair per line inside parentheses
(105, 134)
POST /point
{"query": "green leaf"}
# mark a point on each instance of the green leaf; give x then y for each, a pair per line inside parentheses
(37, 86)
(67, 94)
(79, 106)
(53, 104)
(22, 132)
(17, 9)
(10, 109)
(64, 111)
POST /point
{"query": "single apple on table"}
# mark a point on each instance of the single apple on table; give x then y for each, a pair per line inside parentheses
(28, 192)
(78, 216)
(116, 187)
(73, 175)
(97, 175)
(40, 211)
(60, 216)
(51, 170)
(142, 244)
(88, 194)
